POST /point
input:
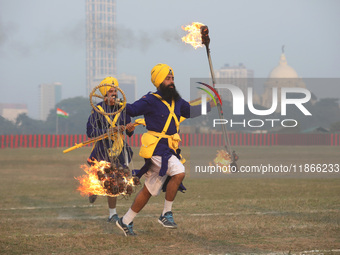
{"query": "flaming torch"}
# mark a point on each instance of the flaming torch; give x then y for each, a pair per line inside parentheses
(105, 179)
(197, 37)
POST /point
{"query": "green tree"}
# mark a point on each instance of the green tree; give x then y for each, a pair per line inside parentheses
(335, 127)
(78, 109)
(7, 127)
(26, 125)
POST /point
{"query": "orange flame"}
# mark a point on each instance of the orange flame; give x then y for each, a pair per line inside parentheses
(223, 159)
(194, 37)
(91, 184)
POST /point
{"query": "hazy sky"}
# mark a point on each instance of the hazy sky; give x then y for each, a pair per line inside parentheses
(43, 41)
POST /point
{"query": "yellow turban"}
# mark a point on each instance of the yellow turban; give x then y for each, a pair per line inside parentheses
(159, 72)
(107, 80)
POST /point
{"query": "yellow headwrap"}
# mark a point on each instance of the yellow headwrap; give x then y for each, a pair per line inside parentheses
(107, 80)
(159, 72)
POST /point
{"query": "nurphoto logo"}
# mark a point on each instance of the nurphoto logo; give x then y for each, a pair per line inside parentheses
(298, 97)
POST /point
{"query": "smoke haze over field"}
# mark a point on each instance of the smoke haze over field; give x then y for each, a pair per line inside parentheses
(44, 41)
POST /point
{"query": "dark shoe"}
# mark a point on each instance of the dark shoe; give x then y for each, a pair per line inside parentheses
(113, 218)
(167, 220)
(127, 229)
(92, 198)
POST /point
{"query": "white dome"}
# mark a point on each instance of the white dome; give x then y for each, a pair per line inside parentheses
(283, 70)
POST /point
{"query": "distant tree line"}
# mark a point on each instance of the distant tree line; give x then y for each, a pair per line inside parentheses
(78, 109)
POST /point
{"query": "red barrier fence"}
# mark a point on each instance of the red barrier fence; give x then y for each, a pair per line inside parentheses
(236, 139)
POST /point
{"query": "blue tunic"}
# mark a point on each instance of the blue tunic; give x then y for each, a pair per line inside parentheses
(98, 125)
(156, 114)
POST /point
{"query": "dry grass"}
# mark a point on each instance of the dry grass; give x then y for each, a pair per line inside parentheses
(42, 213)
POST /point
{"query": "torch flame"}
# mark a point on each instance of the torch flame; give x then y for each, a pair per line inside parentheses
(223, 159)
(194, 37)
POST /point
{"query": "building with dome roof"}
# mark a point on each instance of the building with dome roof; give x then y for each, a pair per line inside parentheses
(283, 70)
(281, 76)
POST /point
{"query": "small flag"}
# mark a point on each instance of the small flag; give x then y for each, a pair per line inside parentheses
(62, 113)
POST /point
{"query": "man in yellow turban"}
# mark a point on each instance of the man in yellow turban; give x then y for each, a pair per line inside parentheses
(163, 168)
(99, 124)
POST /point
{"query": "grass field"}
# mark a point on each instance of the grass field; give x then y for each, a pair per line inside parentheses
(42, 213)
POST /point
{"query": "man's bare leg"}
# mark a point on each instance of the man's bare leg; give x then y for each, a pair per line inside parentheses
(138, 204)
(172, 187)
(112, 202)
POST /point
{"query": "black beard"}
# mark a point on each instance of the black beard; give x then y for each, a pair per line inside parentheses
(169, 93)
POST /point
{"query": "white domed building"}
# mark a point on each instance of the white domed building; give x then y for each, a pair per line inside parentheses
(281, 76)
(283, 70)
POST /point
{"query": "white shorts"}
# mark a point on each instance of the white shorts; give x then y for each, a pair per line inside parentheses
(153, 181)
